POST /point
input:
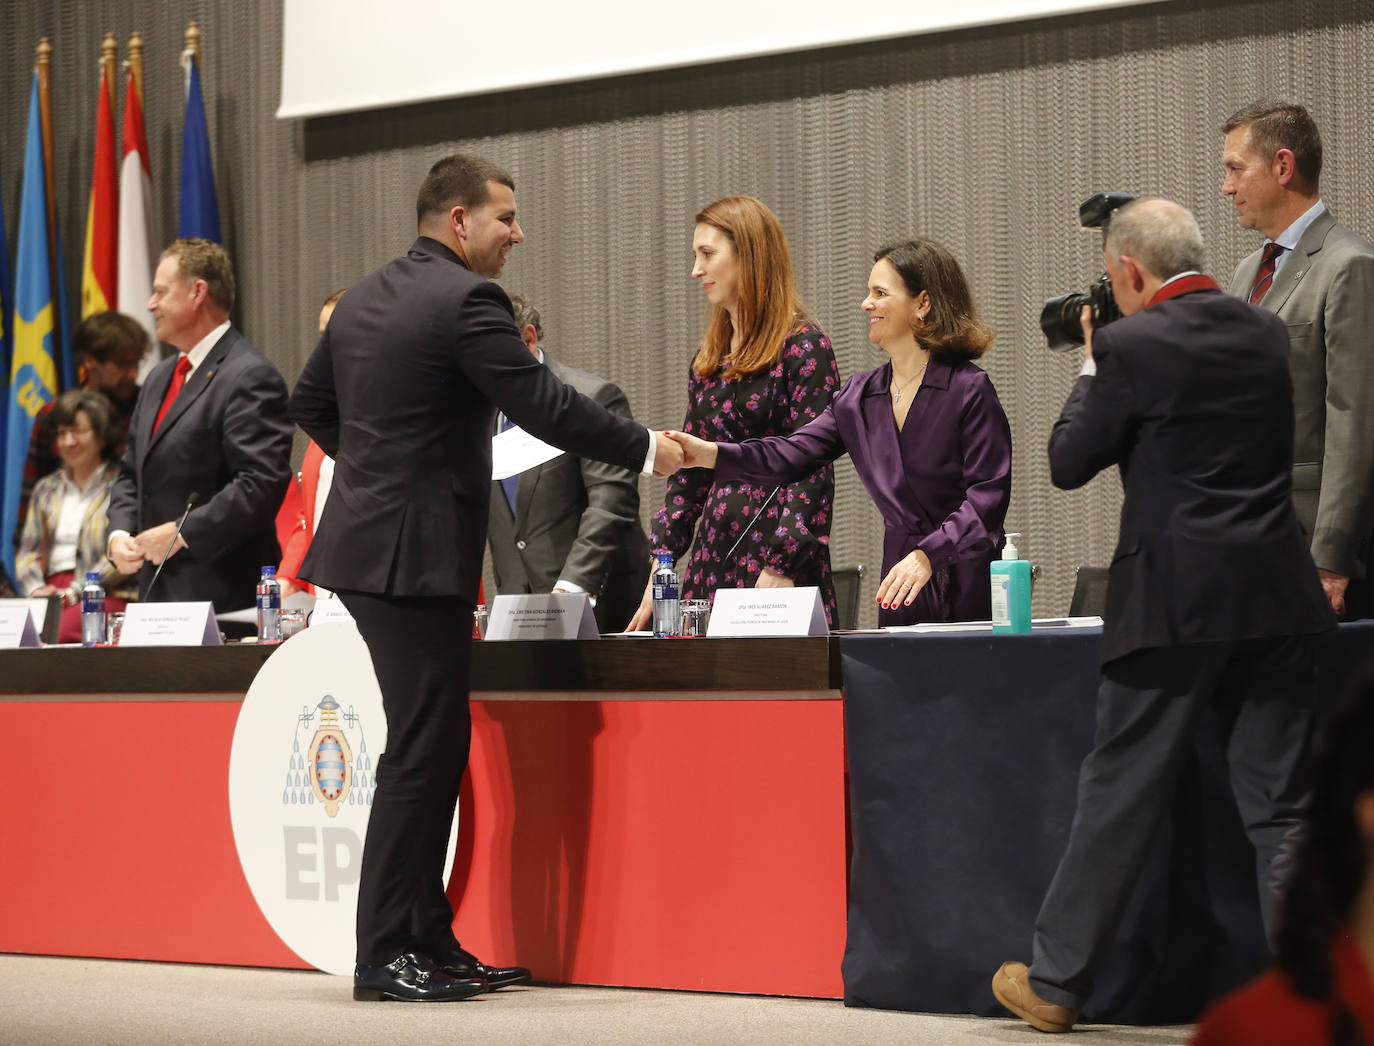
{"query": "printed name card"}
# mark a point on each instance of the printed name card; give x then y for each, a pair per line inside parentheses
(567, 615)
(16, 625)
(38, 610)
(170, 624)
(330, 612)
(767, 612)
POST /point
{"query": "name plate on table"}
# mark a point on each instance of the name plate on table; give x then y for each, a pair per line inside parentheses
(330, 612)
(767, 612)
(16, 625)
(170, 624)
(567, 615)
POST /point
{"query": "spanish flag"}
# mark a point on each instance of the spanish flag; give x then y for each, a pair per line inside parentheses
(100, 264)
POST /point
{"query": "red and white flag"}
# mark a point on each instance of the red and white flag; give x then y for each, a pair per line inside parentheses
(137, 247)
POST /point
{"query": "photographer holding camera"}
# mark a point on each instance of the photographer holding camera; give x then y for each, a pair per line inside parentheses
(1213, 596)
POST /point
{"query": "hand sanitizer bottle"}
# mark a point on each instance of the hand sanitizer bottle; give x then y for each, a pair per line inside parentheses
(1011, 591)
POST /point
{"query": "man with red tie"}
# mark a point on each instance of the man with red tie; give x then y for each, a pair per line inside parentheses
(1318, 277)
(210, 431)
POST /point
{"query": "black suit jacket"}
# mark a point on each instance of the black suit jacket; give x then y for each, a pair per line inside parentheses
(1193, 400)
(575, 519)
(402, 391)
(227, 438)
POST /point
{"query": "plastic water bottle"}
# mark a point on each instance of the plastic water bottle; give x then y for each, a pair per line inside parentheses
(92, 611)
(269, 607)
(665, 597)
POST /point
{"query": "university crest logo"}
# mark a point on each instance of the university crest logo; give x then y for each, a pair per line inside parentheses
(326, 770)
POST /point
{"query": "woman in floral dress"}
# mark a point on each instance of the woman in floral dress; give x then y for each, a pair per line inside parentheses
(763, 369)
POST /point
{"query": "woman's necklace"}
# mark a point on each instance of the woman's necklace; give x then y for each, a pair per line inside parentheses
(897, 392)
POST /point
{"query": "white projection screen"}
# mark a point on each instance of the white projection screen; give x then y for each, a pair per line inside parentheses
(344, 55)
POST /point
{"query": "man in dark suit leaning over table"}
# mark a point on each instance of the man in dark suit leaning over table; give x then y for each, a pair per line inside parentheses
(1212, 598)
(570, 524)
(1318, 276)
(402, 390)
(210, 423)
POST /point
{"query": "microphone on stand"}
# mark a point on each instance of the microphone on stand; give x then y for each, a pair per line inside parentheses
(191, 499)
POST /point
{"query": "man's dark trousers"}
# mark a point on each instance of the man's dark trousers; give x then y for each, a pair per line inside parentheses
(421, 650)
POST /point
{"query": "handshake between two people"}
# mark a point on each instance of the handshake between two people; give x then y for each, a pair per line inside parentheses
(677, 450)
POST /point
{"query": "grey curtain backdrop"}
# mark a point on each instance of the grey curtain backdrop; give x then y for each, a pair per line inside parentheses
(986, 140)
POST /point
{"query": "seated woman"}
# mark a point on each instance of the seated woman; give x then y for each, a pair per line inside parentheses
(927, 435)
(1323, 989)
(64, 532)
(763, 369)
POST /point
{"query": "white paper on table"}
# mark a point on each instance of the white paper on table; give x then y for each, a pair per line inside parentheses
(515, 451)
(1037, 624)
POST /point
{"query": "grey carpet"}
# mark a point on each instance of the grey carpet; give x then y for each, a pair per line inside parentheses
(73, 1002)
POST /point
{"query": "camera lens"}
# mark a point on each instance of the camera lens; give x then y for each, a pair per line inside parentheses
(1060, 320)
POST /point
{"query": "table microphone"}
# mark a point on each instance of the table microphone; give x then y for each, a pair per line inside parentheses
(191, 499)
(730, 556)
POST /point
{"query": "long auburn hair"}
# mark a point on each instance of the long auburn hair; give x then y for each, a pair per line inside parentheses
(769, 307)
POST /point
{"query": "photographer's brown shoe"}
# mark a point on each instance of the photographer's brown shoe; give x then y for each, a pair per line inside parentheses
(1011, 985)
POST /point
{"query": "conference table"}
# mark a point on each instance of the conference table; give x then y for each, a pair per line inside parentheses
(964, 750)
(656, 813)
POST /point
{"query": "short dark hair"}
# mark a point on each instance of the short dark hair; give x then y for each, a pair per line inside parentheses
(200, 259)
(526, 315)
(455, 180)
(952, 330)
(1282, 125)
(98, 412)
(110, 336)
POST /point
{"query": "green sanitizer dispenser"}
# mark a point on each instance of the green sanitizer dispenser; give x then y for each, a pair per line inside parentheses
(1011, 591)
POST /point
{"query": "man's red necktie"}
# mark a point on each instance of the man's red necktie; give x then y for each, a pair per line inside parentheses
(1265, 276)
(178, 380)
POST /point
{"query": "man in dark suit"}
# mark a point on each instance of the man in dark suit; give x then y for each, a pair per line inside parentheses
(1212, 599)
(1318, 276)
(210, 423)
(402, 390)
(570, 524)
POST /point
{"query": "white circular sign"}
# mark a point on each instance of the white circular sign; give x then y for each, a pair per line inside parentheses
(302, 774)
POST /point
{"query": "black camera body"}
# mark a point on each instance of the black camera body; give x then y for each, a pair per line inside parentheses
(1061, 318)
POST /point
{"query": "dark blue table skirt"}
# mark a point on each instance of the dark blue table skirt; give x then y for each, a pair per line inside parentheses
(964, 751)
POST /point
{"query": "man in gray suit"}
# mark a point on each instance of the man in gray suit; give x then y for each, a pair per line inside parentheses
(570, 524)
(1318, 276)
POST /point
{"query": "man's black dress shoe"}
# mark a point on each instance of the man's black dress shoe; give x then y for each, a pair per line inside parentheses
(412, 977)
(459, 962)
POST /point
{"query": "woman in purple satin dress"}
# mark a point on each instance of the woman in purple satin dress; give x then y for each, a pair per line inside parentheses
(763, 369)
(927, 435)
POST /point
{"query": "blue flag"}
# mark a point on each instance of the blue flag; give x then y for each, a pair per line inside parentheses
(199, 207)
(6, 323)
(33, 367)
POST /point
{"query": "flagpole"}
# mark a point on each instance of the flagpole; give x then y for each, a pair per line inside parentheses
(43, 67)
(136, 64)
(109, 50)
(193, 41)
(56, 274)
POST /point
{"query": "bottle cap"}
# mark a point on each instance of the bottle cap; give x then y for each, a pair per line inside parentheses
(269, 571)
(92, 575)
(664, 557)
(1009, 550)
